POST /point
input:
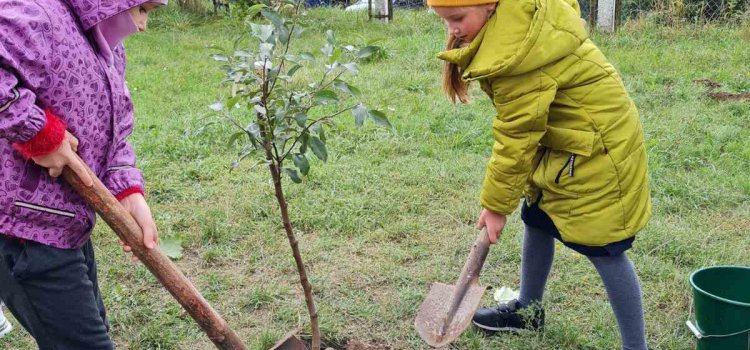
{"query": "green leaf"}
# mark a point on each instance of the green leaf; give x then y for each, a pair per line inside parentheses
(233, 101)
(171, 247)
(283, 34)
(326, 97)
(292, 173)
(328, 50)
(360, 114)
(330, 38)
(298, 32)
(318, 129)
(379, 118)
(253, 130)
(301, 119)
(236, 136)
(266, 51)
(304, 140)
(307, 56)
(335, 56)
(318, 148)
(301, 162)
(367, 51)
(279, 114)
(243, 53)
(261, 31)
(273, 17)
(291, 58)
(351, 67)
(346, 88)
(253, 10)
(355, 90)
(293, 70)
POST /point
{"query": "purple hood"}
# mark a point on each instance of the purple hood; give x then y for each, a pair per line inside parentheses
(108, 21)
(92, 12)
(47, 62)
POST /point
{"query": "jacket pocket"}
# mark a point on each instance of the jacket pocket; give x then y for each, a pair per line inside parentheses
(37, 208)
(64, 218)
(574, 165)
(118, 167)
(53, 204)
(569, 140)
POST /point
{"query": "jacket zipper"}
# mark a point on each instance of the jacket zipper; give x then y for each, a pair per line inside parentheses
(571, 171)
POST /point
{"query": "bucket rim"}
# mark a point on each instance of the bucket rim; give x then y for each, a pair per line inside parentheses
(710, 295)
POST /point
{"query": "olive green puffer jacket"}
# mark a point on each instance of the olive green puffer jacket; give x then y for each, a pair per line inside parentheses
(565, 126)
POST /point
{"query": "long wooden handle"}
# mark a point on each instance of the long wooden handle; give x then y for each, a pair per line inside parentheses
(469, 274)
(110, 209)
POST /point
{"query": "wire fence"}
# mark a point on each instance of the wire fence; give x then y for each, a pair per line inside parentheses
(690, 10)
(663, 11)
(674, 11)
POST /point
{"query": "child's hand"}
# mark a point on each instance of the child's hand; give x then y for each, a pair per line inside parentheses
(494, 222)
(65, 155)
(136, 205)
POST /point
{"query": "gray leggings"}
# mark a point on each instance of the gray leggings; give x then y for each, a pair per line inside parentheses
(617, 273)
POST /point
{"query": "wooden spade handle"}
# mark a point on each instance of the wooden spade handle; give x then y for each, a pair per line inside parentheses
(110, 209)
(469, 274)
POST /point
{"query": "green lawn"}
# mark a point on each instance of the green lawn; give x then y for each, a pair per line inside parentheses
(392, 212)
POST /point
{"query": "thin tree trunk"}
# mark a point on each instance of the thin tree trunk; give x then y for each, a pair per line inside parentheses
(274, 165)
(276, 174)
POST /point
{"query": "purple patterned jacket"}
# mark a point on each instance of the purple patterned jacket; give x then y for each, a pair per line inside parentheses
(50, 62)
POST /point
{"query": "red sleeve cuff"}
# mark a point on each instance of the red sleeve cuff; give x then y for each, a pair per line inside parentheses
(128, 191)
(46, 141)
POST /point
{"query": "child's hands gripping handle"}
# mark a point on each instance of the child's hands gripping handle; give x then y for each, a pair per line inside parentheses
(136, 205)
(65, 155)
(494, 223)
(131, 234)
(119, 215)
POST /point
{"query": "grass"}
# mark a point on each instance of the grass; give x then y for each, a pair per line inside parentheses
(392, 212)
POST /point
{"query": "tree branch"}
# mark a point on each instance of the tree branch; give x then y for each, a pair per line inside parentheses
(288, 41)
(307, 128)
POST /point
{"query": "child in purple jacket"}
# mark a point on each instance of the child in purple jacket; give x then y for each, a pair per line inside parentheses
(62, 93)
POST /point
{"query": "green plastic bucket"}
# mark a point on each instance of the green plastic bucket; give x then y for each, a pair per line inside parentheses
(721, 295)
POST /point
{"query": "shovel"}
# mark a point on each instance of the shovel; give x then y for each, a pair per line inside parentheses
(123, 224)
(447, 310)
(289, 342)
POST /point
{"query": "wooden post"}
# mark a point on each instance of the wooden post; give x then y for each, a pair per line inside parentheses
(605, 18)
(380, 9)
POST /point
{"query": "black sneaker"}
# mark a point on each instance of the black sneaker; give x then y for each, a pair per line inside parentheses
(510, 317)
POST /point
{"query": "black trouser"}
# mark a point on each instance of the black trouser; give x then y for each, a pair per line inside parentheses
(53, 293)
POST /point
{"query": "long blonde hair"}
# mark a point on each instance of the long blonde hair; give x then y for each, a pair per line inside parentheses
(453, 86)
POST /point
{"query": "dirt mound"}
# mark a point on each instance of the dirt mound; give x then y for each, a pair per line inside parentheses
(720, 95)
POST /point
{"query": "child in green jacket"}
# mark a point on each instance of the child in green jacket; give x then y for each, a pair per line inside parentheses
(568, 140)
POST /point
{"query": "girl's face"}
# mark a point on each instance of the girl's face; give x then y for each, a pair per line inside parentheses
(140, 14)
(464, 23)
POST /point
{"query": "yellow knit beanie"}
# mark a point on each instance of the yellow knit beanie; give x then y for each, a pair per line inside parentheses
(458, 3)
